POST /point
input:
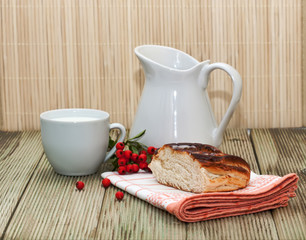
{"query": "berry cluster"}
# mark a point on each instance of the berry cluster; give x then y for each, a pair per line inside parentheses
(131, 161)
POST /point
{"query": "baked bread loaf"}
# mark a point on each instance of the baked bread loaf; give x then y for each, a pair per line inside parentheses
(199, 168)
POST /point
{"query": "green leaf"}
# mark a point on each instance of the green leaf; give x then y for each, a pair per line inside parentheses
(138, 136)
(134, 149)
(143, 146)
(149, 158)
(137, 146)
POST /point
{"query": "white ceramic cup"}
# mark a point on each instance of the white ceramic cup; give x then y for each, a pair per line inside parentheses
(76, 140)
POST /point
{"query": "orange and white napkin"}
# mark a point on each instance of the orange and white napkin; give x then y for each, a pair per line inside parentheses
(262, 193)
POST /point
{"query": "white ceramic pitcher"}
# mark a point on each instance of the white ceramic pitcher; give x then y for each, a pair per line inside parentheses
(174, 106)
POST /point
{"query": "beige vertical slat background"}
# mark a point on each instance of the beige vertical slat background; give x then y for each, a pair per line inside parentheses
(60, 54)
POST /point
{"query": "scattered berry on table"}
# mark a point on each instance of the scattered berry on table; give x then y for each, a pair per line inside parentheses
(151, 150)
(106, 182)
(122, 161)
(120, 146)
(119, 195)
(142, 157)
(127, 154)
(119, 153)
(79, 185)
(122, 170)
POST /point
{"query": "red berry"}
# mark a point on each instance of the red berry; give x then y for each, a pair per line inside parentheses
(119, 153)
(143, 152)
(143, 165)
(127, 154)
(122, 170)
(106, 182)
(79, 185)
(151, 150)
(122, 161)
(129, 168)
(142, 157)
(135, 168)
(119, 195)
(120, 145)
(135, 157)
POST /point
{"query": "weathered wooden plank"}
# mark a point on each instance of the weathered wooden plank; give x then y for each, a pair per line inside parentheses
(133, 218)
(279, 152)
(19, 155)
(52, 208)
(252, 226)
(9, 141)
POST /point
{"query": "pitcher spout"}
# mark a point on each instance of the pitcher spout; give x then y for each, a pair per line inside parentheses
(165, 57)
(163, 61)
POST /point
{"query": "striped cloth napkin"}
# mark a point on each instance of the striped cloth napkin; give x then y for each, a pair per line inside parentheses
(262, 193)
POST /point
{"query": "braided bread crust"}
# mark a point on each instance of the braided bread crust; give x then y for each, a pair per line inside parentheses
(199, 168)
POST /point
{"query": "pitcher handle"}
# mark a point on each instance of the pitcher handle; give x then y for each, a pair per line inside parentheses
(237, 89)
(121, 138)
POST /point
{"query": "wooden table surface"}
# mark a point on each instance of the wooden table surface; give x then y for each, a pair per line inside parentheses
(37, 203)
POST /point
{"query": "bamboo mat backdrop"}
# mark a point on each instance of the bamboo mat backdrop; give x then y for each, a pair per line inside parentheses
(68, 53)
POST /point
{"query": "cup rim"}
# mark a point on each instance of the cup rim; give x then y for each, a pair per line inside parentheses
(50, 115)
